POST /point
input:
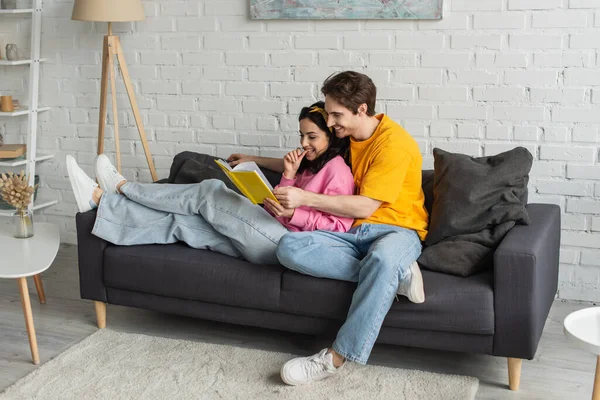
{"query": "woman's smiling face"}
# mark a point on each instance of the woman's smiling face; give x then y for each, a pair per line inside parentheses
(313, 140)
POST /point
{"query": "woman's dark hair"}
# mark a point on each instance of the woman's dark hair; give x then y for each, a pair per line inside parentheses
(337, 146)
(351, 89)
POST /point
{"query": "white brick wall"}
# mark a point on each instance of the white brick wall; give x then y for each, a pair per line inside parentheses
(493, 74)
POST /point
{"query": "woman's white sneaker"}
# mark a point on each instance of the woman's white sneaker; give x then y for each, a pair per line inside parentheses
(107, 175)
(303, 370)
(83, 186)
(413, 286)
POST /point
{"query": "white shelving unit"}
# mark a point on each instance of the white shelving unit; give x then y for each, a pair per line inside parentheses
(33, 108)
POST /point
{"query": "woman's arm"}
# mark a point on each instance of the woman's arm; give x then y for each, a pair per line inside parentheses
(274, 164)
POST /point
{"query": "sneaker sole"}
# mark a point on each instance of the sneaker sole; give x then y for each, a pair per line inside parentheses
(75, 187)
(285, 378)
(417, 293)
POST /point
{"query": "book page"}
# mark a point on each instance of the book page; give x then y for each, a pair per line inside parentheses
(223, 164)
(252, 166)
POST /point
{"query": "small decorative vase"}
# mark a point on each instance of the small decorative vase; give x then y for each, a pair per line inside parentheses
(9, 4)
(11, 52)
(23, 224)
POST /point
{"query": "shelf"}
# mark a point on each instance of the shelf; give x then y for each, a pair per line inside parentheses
(38, 205)
(20, 62)
(24, 111)
(22, 161)
(17, 11)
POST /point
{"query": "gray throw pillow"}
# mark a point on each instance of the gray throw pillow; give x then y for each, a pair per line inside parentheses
(476, 202)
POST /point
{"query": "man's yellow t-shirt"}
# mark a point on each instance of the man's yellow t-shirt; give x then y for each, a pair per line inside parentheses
(387, 167)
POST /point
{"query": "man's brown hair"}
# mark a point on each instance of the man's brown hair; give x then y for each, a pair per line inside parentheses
(351, 89)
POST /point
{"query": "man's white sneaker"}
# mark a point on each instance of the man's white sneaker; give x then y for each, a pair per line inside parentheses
(303, 370)
(83, 186)
(412, 287)
(107, 175)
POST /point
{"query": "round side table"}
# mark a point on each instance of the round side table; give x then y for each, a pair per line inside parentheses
(29, 257)
(583, 327)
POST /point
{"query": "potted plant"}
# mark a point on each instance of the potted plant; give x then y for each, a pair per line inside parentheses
(16, 191)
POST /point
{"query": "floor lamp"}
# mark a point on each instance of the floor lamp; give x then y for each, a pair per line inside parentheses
(114, 11)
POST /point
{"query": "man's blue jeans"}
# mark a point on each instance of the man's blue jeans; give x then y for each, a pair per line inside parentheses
(376, 256)
(205, 215)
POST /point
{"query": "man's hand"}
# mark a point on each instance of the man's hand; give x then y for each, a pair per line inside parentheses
(290, 196)
(291, 162)
(237, 158)
(277, 209)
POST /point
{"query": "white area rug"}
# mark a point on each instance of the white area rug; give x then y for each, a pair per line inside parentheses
(114, 365)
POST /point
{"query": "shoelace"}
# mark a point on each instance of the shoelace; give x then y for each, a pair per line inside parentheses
(316, 364)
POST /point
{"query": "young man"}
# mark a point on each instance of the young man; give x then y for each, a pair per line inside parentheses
(380, 251)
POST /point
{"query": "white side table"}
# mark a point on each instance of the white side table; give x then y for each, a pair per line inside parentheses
(29, 257)
(583, 327)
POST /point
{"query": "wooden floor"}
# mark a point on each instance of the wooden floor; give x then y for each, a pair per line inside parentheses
(560, 370)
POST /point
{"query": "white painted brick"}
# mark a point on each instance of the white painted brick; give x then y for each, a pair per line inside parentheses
(221, 105)
(582, 76)
(535, 41)
(342, 59)
(473, 77)
(444, 93)
(337, 26)
(244, 124)
(207, 137)
(595, 96)
(291, 90)
(159, 87)
(462, 112)
(451, 60)
(589, 275)
(380, 77)
(597, 190)
(221, 42)
(225, 8)
(416, 129)
(410, 112)
(547, 59)
(555, 134)
(557, 95)
(267, 124)
(575, 115)
(292, 59)
(567, 257)
(179, 9)
(477, 5)
(201, 24)
(511, 113)
(245, 89)
(269, 42)
(239, 24)
(498, 132)
(162, 58)
(577, 59)
(468, 148)
(595, 224)
(243, 59)
(204, 149)
(560, 19)
(180, 43)
(582, 133)
(531, 77)
(468, 131)
(440, 129)
(493, 42)
(288, 123)
(204, 58)
(548, 169)
(584, 3)
(587, 41)
(317, 42)
(491, 149)
(590, 257)
(583, 206)
(421, 42)
(572, 153)
(534, 4)
(573, 222)
(505, 20)
(223, 74)
(563, 188)
(499, 94)
(71, 86)
(313, 74)
(260, 140)
(394, 59)
(269, 74)
(501, 60)
(178, 121)
(288, 26)
(162, 24)
(263, 107)
(422, 75)
(173, 135)
(395, 25)
(450, 22)
(395, 93)
(199, 87)
(361, 42)
(174, 103)
(583, 172)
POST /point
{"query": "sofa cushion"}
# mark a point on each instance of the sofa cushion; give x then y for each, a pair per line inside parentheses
(452, 304)
(179, 271)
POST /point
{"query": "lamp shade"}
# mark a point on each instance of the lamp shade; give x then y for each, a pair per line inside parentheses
(108, 10)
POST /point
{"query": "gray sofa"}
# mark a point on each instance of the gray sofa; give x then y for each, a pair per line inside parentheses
(500, 311)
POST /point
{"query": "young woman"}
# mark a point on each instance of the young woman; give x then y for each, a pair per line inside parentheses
(208, 215)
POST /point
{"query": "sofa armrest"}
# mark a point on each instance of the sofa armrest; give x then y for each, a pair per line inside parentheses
(90, 250)
(525, 281)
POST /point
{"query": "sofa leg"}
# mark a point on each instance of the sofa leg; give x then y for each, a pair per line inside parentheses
(514, 373)
(100, 314)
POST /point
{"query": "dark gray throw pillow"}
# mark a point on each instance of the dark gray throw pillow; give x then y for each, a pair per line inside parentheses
(476, 202)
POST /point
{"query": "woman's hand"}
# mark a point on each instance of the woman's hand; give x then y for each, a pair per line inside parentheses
(238, 158)
(277, 209)
(291, 163)
(290, 197)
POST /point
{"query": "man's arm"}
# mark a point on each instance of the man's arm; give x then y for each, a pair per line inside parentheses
(274, 164)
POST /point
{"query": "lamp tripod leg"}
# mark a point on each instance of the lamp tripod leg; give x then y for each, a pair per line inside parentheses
(103, 90)
(113, 89)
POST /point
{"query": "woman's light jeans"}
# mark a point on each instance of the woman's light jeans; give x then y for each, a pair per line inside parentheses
(205, 215)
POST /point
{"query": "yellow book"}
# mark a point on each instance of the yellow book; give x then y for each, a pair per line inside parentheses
(248, 177)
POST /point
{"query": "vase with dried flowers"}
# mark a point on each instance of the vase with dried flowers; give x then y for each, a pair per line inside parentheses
(16, 191)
